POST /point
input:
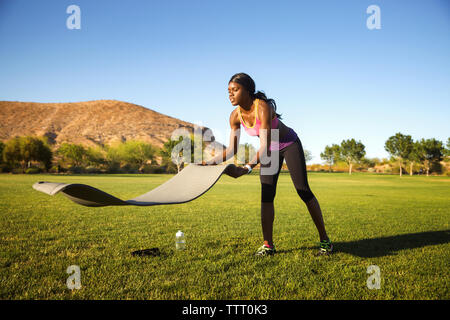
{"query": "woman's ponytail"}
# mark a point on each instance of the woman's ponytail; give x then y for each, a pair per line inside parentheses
(261, 95)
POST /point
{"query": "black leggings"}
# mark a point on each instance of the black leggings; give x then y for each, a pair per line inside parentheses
(295, 161)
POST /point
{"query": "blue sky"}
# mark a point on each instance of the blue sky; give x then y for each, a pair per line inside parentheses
(331, 76)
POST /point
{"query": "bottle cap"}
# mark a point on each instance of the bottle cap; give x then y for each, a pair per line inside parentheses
(179, 233)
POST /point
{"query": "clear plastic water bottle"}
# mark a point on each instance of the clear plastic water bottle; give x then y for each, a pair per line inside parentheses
(180, 242)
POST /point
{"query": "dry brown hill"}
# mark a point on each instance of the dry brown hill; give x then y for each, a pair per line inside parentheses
(97, 122)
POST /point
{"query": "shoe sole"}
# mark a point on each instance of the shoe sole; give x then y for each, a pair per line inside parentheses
(265, 254)
(325, 253)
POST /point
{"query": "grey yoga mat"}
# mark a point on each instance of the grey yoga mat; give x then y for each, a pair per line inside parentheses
(189, 184)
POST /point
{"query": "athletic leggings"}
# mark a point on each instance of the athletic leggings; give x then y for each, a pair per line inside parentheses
(295, 161)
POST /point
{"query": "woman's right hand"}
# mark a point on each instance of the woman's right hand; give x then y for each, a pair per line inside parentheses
(236, 172)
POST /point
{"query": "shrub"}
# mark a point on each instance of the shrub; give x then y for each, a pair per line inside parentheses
(129, 168)
(396, 170)
(113, 167)
(318, 167)
(92, 169)
(5, 167)
(75, 169)
(33, 170)
(152, 169)
(54, 169)
(436, 167)
(170, 168)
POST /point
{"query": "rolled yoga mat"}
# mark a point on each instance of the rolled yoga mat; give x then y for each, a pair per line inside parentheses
(189, 184)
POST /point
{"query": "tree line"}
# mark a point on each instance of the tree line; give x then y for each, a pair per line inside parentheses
(34, 154)
(30, 154)
(424, 153)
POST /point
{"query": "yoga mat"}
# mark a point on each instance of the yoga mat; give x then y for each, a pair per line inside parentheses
(189, 184)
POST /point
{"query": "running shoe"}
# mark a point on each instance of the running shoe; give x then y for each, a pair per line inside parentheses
(326, 247)
(265, 250)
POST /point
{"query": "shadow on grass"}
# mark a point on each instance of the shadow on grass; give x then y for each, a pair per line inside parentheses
(385, 246)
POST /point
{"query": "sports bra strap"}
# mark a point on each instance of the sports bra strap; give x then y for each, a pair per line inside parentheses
(256, 115)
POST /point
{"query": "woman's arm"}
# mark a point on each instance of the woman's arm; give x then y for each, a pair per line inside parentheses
(231, 150)
(265, 116)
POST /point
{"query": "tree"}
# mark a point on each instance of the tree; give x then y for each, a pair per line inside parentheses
(28, 149)
(95, 156)
(399, 146)
(23, 150)
(331, 154)
(308, 155)
(72, 153)
(447, 150)
(136, 153)
(44, 153)
(430, 151)
(415, 156)
(352, 152)
(112, 158)
(180, 158)
(188, 148)
(166, 153)
(11, 152)
(369, 162)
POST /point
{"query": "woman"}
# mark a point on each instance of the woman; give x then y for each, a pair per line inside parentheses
(258, 116)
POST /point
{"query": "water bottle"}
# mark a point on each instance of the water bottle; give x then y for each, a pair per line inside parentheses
(180, 241)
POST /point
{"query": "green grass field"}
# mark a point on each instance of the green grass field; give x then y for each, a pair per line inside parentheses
(398, 224)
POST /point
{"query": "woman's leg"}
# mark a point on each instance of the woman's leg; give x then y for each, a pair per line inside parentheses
(295, 160)
(267, 218)
(316, 214)
(268, 191)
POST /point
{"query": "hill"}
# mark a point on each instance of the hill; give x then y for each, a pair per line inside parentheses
(96, 122)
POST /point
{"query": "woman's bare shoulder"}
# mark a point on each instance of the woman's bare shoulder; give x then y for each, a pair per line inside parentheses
(264, 109)
(263, 105)
(235, 122)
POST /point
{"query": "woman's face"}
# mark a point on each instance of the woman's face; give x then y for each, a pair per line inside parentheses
(236, 93)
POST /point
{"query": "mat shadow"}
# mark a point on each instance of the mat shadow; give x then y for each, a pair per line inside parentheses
(385, 246)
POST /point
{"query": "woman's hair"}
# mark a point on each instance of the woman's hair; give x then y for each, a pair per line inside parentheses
(247, 82)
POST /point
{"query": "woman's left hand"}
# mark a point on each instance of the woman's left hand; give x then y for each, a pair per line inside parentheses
(236, 172)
